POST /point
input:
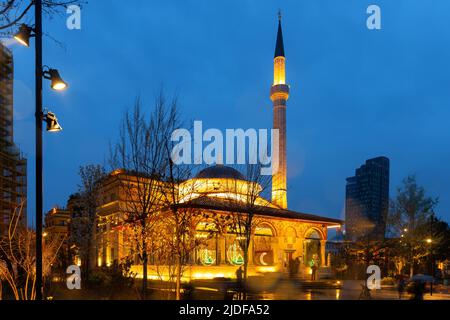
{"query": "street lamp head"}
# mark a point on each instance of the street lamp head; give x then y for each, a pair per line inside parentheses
(24, 35)
(57, 83)
(52, 122)
(429, 240)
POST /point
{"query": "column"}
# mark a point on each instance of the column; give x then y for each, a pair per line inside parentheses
(322, 252)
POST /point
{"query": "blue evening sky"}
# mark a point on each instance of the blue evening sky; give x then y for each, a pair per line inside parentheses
(355, 93)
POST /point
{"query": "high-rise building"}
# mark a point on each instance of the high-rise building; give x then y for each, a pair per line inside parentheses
(367, 201)
(13, 166)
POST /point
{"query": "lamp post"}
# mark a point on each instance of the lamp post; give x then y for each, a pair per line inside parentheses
(23, 37)
(430, 242)
(38, 116)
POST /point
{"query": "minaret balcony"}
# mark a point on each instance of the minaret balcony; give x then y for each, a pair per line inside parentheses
(279, 92)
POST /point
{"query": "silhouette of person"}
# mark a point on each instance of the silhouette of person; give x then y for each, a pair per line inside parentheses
(400, 287)
(418, 290)
(296, 265)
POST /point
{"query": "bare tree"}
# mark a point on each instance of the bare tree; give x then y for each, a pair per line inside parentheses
(18, 257)
(177, 241)
(178, 235)
(162, 258)
(179, 219)
(83, 223)
(14, 12)
(140, 153)
(245, 202)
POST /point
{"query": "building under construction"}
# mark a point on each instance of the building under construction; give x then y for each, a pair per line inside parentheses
(13, 166)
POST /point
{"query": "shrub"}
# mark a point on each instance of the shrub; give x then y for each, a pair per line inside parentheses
(388, 281)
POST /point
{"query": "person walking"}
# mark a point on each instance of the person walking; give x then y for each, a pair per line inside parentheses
(418, 290)
(296, 265)
(400, 287)
(314, 272)
(365, 293)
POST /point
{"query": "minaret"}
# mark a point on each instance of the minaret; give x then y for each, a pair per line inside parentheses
(279, 94)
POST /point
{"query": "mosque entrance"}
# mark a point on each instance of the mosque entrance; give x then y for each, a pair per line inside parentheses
(312, 249)
(288, 259)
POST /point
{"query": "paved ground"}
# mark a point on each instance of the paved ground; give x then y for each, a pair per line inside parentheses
(275, 289)
(349, 291)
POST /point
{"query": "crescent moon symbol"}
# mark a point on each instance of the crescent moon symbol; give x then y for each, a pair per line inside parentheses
(261, 258)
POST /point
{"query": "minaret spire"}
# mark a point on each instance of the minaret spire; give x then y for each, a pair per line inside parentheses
(279, 48)
(279, 94)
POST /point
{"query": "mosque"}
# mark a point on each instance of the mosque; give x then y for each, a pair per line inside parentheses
(280, 236)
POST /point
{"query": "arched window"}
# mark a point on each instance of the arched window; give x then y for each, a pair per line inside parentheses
(207, 253)
(263, 253)
(264, 230)
(312, 248)
(314, 235)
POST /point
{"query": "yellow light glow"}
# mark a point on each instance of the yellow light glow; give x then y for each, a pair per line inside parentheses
(59, 86)
(231, 189)
(117, 172)
(279, 71)
(429, 241)
(266, 269)
(279, 196)
(199, 272)
(21, 41)
(338, 294)
(207, 275)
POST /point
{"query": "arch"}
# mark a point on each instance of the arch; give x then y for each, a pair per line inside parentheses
(290, 231)
(206, 225)
(290, 235)
(314, 233)
(263, 253)
(313, 247)
(266, 229)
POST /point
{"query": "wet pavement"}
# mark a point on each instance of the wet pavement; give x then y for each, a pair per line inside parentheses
(350, 290)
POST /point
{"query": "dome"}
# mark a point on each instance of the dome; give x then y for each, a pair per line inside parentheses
(220, 171)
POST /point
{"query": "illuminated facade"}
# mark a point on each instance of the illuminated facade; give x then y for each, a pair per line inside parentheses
(56, 228)
(57, 223)
(279, 236)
